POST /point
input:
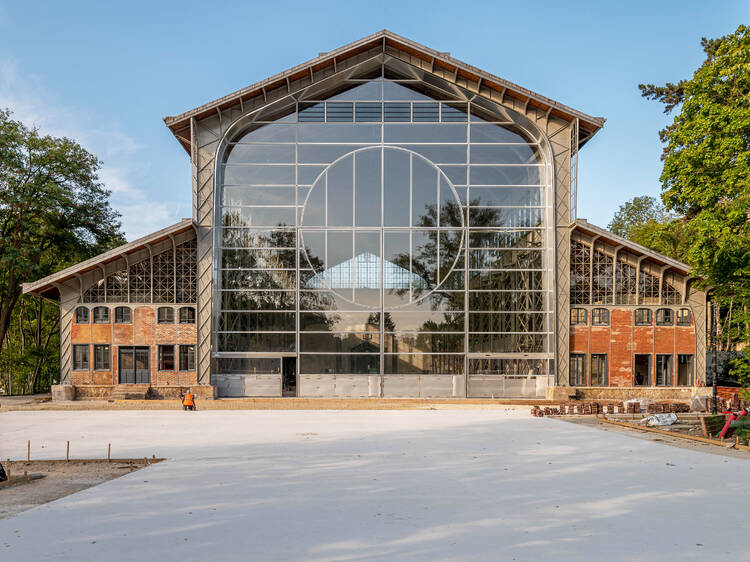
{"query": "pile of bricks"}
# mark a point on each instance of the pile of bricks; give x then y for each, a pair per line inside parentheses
(737, 403)
(593, 408)
(666, 408)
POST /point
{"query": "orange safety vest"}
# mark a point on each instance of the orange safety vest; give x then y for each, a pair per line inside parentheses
(188, 400)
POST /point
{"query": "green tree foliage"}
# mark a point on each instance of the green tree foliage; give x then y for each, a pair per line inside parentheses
(637, 212)
(54, 212)
(706, 175)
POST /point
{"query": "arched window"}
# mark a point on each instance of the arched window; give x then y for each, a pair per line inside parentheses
(683, 317)
(122, 315)
(82, 315)
(600, 317)
(578, 316)
(643, 317)
(665, 317)
(101, 315)
(165, 315)
(187, 315)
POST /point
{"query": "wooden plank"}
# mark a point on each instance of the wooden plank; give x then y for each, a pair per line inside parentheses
(674, 434)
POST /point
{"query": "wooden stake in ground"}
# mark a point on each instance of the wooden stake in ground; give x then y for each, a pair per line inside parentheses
(109, 452)
(28, 450)
(67, 452)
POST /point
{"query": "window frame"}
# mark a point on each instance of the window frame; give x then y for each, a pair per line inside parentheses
(79, 309)
(161, 358)
(691, 374)
(107, 355)
(120, 309)
(187, 309)
(605, 369)
(598, 321)
(641, 322)
(667, 375)
(98, 310)
(184, 353)
(648, 372)
(665, 317)
(575, 316)
(576, 357)
(680, 313)
(80, 366)
(159, 319)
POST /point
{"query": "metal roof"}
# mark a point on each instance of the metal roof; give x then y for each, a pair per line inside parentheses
(481, 79)
(47, 283)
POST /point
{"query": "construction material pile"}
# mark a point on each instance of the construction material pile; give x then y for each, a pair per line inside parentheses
(636, 406)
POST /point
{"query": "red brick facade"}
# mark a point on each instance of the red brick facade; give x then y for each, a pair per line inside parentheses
(621, 340)
(143, 330)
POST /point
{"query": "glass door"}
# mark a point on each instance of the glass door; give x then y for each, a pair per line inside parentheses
(134, 365)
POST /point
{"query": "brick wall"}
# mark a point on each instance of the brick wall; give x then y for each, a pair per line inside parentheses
(622, 340)
(142, 331)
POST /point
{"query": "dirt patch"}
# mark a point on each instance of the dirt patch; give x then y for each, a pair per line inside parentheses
(687, 427)
(60, 479)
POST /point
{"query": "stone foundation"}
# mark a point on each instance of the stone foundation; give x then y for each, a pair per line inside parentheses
(622, 393)
(104, 392)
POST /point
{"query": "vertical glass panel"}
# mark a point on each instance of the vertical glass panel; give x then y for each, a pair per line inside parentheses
(424, 193)
(314, 212)
(450, 210)
(367, 187)
(340, 192)
(396, 188)
(315, 250)
(424, 257)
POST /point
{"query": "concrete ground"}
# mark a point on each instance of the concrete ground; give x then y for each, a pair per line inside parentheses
(369, 485)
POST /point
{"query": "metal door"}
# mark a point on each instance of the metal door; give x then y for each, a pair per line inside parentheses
(142, 371)
(133, 365)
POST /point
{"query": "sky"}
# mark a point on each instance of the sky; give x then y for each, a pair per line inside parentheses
(106, 73)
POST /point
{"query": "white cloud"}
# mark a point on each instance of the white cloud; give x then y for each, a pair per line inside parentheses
(121, 155)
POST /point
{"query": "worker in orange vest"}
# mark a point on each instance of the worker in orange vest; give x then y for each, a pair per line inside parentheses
(188, 400)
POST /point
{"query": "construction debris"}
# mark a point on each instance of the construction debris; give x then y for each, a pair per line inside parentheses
(660, 419)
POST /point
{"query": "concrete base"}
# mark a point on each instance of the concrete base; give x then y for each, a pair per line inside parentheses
(560, 393)
(62, 392)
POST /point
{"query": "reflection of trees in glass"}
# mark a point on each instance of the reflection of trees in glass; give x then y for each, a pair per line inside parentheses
(255, 270)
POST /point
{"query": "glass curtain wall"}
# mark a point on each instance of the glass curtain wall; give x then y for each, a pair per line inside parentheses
(384, 225)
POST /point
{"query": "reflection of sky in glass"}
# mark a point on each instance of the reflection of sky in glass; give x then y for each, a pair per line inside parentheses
(363, 272)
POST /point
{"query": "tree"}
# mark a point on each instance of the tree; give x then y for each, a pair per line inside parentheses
(637, 212)
(706, 174)
(54, 212)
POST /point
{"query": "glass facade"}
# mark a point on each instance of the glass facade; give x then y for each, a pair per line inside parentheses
(384, 224)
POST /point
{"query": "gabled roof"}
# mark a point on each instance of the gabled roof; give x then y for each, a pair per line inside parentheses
(363, 272)
(463, 74)
(585, 227)
(47, 283)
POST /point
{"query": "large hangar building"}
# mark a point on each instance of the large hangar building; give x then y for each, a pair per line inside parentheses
(381, 221)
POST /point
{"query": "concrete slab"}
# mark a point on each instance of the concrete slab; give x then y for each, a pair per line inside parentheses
(369, 485)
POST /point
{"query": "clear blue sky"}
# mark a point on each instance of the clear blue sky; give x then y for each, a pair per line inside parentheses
(105, 73)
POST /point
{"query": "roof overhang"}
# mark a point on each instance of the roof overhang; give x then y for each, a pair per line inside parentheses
(585, 227)
(464, 75)
(48, 285)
